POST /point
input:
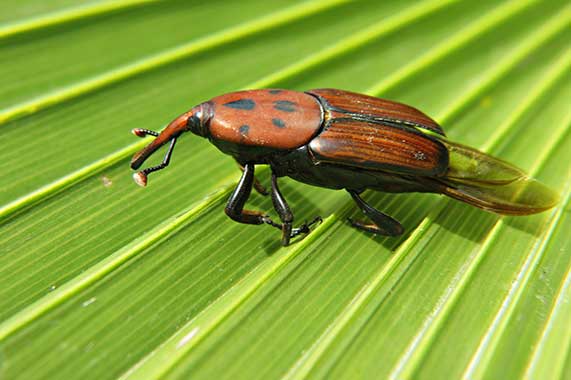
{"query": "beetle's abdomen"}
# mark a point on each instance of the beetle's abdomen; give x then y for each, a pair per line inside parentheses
(279, 119)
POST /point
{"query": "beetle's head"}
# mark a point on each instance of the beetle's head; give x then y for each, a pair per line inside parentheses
(196, 121)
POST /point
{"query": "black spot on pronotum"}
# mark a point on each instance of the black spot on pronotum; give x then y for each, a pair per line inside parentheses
(244, 129)
(285, 105)
(278, 123)
(241, 104)
(275, 92)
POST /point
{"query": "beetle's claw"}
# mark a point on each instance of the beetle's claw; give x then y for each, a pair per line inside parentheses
(317, 221)
(140, 178)
(305, 228)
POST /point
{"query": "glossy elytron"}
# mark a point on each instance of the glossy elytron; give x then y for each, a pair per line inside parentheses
(343, 140)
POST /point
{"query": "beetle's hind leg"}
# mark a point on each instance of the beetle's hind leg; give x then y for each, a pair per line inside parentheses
(286, 215)
(382, 223)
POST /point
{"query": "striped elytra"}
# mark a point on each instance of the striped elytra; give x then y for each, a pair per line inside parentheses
(346, 104)
(378, 146)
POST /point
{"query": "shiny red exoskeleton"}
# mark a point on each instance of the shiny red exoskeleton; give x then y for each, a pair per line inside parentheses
(344, 140)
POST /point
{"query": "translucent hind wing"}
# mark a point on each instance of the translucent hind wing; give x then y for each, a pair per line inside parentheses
(472, 166)
(493, 184)
(521, 197)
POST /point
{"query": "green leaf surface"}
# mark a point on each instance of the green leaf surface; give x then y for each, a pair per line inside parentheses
(37, 14)
(100, 279)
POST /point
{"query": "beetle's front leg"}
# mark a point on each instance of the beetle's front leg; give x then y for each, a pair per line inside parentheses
(382, 223)
(286, 215)
(235, 206)
(257, 184)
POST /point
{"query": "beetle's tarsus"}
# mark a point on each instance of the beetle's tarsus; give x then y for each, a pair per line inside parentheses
(288, 232)
(266, 219)
(305, 228)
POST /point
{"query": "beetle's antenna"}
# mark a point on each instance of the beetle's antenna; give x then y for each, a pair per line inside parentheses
(141, 177)
(140, 132)
(175, 128)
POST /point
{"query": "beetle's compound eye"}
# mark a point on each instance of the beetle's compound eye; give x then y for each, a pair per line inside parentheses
(198, 119)
(196, 122)
(193, 122)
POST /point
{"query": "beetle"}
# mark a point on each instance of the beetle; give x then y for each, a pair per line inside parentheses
(344, 140)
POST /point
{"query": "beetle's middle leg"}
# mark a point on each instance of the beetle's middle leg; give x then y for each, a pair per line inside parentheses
(286, 216)
(382, 223)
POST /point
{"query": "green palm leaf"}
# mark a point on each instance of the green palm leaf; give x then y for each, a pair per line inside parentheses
(101, 279)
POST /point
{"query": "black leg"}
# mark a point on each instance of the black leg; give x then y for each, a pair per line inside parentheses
(382, 223)
(257, 184)
(286, 216)
(283, 211)
(165, 162)
(235, 206)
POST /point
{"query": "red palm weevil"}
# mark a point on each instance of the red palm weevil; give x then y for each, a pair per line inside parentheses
(343, 140)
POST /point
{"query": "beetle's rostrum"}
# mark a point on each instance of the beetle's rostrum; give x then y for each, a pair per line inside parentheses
(343, 140)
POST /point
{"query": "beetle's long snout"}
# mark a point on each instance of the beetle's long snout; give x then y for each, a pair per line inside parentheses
(170, 133)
